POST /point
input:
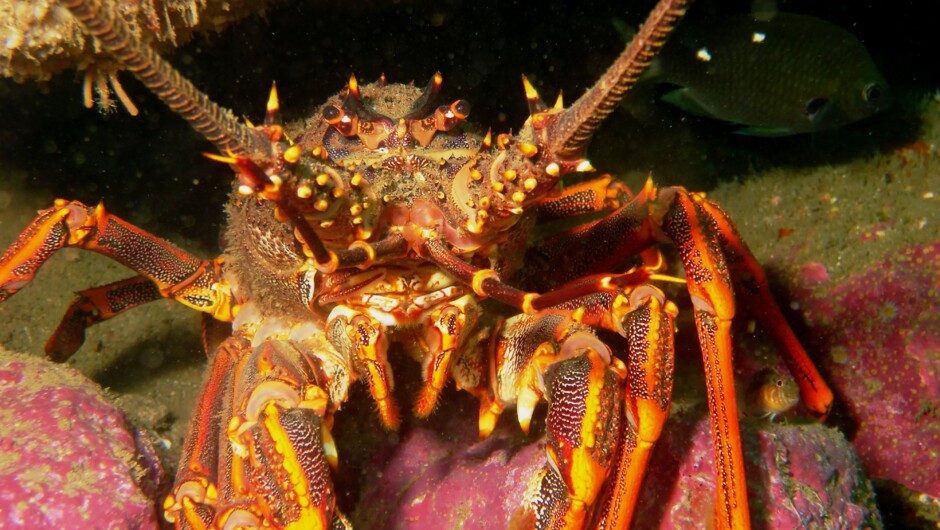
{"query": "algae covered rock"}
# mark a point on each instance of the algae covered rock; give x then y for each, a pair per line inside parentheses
(881, 330)
(40, 38)
(797, 475)
(428, 482)
(68, 457)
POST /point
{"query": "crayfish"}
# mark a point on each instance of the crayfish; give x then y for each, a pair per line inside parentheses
(388, 225)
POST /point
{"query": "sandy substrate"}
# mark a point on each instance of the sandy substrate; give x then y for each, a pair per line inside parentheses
(849, 200)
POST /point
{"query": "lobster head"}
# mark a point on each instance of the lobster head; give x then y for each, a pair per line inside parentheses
(384, 163)
(386, 158)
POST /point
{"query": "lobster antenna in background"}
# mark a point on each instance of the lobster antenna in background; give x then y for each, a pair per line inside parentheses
(215, 123)
(245, 148)
(573, 130)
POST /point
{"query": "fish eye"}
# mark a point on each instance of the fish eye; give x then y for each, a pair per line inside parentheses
(815, 105)
(872, 93)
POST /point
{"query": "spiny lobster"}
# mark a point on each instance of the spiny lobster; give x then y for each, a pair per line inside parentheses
(388, 221)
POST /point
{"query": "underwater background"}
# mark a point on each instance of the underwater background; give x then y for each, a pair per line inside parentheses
(846, 221)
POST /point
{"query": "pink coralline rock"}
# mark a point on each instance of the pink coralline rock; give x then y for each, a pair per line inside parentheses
(881, 330)
(428, 482)
(797, 475)
(68, 458)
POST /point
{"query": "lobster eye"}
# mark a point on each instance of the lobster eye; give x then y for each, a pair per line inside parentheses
(346, 124)
(332, 114)
(461, 108)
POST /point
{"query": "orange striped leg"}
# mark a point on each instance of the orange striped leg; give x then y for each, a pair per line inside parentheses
(357, 335)
(750, 284)
(448, 329)
(553, 357)
(177, 274)
(95, 305)
(582, 430)
(648, 325)
(258, 451)
(194, 499)
(281, 446)
(692, 229)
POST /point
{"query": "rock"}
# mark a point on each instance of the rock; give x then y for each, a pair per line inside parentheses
(797, 474)
(428, 482)
(68, 457)
(41, 38)
(881, 329)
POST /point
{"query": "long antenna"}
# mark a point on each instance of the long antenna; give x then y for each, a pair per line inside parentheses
(217, 124)
(573, 130)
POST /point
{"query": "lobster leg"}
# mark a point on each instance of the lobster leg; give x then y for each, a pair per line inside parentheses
(176, 274)
(708, 246)
(582, 429)
(649, 329)
(362, 337)
(95, 305)
(359, 336)
(553, 357)
(750, 284)
(587, 197)
(194, 499)
(259, 450)
(447, 333)
(280, 441)
(673, 215)
(593, 248)
(692, 230)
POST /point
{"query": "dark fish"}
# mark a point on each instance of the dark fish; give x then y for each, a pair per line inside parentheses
(775, 75)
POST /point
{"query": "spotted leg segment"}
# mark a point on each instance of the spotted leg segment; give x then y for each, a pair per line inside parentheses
(259, 450)
(95, 305)
(692, 230)
(583, 198)
(750, 284)
(553, 357)
(647, 322)
(175, 273)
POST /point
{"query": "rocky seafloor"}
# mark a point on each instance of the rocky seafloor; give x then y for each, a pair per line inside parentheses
(848, 227)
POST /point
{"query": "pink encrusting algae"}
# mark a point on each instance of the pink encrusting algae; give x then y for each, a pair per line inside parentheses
(68, 457)
(880, 330)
